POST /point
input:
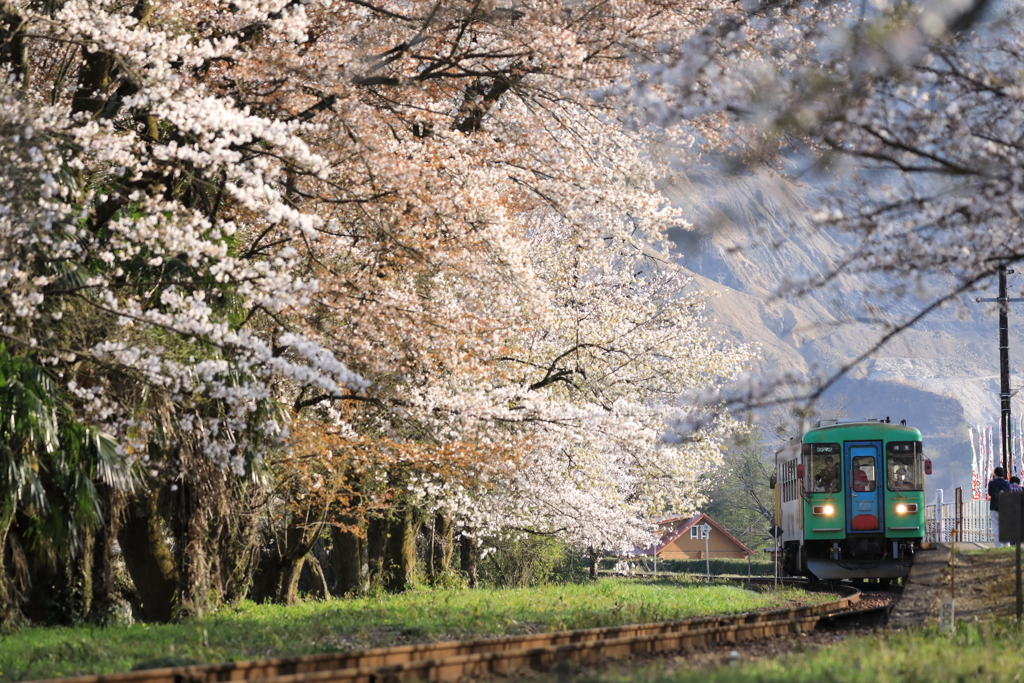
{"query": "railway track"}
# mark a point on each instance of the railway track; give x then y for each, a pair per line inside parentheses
(454, 660)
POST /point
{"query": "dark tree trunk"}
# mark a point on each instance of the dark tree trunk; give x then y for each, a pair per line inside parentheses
(8, 606)
(441, 548)
(50, 597)
(81, 577)
(400, 551)
(266, 582)
(593, 563)
(349, 558)
(288, 588)
(17, 578)
(236, 547)
(189, 524)
(149, 561)
(14, 44)
(104, 587)
(319, 588)
(225, 536)
(376, 549)
(470, 554)
(391, 545)
(277, 577)
(210, 514)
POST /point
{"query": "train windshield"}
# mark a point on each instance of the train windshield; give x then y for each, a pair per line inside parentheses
(823, 467)
(904, 466)
(864, 477)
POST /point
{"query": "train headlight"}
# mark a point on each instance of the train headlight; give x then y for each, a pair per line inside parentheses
(904, 508)
(823, 510)
(829, 510)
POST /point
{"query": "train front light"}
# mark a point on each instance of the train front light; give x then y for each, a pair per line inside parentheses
(904, 508)
(826, 510)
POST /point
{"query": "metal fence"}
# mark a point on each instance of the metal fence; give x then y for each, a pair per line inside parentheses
(941, 518)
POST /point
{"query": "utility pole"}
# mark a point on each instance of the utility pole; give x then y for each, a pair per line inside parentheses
(705, 532)
(1004, 365)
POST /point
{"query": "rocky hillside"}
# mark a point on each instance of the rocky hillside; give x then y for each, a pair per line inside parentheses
(940, 375)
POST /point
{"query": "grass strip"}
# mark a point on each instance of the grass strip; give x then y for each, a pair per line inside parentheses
(251, 631)
(983, 652)
(985, 551)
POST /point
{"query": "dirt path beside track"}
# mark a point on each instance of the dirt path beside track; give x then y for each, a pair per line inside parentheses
(984, 582)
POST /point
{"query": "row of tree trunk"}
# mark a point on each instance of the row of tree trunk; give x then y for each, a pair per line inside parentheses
(188, 548)
(381, 551)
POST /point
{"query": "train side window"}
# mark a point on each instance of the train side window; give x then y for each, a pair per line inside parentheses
(790, 485)
(864, 478)
(790, 478)
(824, 470)
(904, 468)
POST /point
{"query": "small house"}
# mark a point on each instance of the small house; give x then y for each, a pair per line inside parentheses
(696, 538)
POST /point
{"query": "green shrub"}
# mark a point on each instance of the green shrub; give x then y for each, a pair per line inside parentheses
(530, 560)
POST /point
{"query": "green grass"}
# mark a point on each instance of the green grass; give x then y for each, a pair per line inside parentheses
(986, 652)
(257, 631)
(981, 551)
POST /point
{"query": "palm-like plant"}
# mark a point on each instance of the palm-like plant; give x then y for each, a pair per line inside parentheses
(50, 467)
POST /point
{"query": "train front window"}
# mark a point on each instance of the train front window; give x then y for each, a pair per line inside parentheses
(903, 470)
(864, 477)
(823, 468)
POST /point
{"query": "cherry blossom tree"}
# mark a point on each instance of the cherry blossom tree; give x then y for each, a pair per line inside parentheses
(591, 391)
(225, 222)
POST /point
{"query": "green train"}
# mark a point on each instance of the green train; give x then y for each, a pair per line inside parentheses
(849, 500)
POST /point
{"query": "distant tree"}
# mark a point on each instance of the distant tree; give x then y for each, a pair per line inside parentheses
(739, 495)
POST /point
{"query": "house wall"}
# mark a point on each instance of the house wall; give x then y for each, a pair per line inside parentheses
(686, 548)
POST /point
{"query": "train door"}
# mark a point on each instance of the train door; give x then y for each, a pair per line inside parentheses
(863, 460)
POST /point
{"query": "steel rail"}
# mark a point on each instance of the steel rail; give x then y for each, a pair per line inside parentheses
(448, 661)
(508, 661)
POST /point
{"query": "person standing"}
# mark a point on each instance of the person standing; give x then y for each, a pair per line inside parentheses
(995, 487)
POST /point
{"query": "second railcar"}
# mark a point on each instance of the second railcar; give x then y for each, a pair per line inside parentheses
(849, 500)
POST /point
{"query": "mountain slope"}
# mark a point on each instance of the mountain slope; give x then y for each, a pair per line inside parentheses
(753, 235)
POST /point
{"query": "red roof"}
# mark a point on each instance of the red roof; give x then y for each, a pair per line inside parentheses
(682, 528)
